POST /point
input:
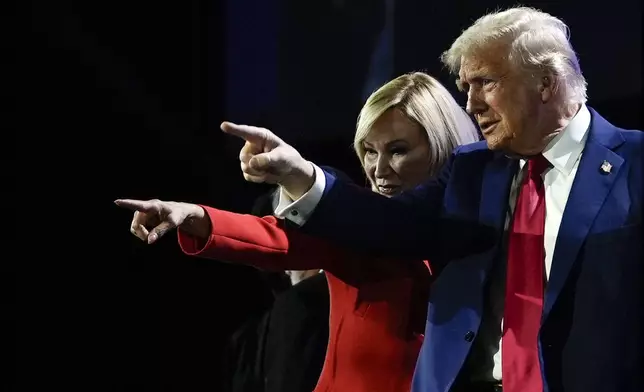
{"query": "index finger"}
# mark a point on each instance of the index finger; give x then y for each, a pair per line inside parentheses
(135, 205)
(249, 133)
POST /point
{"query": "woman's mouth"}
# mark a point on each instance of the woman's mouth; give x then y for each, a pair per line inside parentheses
(388, 190)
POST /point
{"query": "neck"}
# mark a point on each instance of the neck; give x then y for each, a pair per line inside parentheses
(298, 276)
(567, 113)
(562, 117)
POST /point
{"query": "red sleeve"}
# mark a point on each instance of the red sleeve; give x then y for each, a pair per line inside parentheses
(262, 242)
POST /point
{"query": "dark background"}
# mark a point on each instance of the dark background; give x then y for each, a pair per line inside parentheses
(124, 99)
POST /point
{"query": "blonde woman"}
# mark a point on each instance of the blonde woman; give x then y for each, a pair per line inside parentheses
(406, 130)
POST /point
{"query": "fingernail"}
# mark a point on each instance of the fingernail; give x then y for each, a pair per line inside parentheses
(152, 237)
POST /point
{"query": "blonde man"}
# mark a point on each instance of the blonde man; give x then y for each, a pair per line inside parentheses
(552, 301)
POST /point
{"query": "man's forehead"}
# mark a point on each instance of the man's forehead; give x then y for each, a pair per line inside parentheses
(473, 66)
(488, 58)
(470, 64)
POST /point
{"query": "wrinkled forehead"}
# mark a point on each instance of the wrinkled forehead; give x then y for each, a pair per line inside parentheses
(472, 66)
(490, 58)
(484, 65)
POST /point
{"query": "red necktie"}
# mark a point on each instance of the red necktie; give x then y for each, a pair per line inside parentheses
(524, 285)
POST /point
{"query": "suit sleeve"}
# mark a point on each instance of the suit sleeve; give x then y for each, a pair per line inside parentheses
(407, 226)
(263, 243)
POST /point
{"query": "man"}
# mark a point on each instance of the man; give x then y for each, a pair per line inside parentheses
(283, 349)
(563, 291)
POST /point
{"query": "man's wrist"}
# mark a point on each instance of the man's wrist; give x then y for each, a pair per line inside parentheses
(296, 185)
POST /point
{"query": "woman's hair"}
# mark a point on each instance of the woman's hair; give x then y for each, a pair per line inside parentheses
(426, 102)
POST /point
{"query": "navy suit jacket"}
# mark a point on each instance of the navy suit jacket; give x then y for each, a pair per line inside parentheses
(592, 332)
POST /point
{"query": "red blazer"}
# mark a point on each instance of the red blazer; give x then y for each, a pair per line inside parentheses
(378, 306)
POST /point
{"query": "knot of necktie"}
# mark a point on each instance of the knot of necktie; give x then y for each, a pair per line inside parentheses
(537, 165)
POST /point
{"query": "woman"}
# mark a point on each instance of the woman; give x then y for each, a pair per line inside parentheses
(405, 132)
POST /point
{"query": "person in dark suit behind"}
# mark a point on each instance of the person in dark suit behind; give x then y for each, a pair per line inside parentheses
(283, 348)
(549, 294)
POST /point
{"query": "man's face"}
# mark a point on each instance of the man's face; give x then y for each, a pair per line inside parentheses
(507, 104)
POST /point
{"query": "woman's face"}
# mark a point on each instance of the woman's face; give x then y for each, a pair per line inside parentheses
(396, 154)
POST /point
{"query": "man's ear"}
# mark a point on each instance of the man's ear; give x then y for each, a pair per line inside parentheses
(547, 87)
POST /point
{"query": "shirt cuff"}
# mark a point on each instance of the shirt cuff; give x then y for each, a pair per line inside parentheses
(300, 210)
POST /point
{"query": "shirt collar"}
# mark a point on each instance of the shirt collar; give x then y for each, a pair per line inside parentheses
(564, 150)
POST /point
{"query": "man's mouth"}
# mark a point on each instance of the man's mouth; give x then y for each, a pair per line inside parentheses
(487, 127)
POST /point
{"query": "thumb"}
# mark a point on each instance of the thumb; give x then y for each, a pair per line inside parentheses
(159, 231)
(262, 162)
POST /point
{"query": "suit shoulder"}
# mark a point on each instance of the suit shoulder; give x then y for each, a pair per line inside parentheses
(633, 146)
(632, 135)
(469, 148)
(472, 154)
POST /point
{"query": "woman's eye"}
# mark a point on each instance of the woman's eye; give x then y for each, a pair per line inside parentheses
(399, 151)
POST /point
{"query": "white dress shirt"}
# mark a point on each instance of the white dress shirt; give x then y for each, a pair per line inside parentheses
(563, 152)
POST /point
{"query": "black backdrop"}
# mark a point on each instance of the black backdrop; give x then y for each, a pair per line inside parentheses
(123, 99)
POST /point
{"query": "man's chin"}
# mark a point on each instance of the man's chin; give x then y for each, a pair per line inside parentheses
(503, 147)
(496, 145)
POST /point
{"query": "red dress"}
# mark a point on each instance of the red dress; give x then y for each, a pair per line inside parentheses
(378, 306)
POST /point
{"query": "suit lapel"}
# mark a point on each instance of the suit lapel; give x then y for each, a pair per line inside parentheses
(589, 191)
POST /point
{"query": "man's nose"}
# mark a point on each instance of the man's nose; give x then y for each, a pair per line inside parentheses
(475, 105)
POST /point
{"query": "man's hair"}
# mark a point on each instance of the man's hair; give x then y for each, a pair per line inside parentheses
(537, 42)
